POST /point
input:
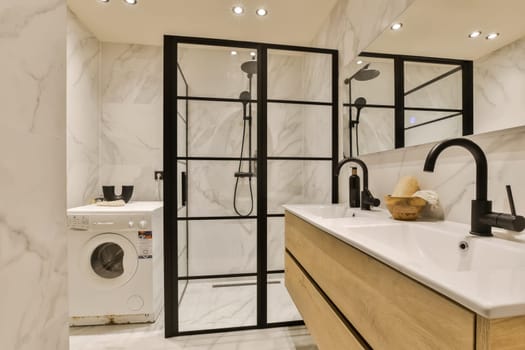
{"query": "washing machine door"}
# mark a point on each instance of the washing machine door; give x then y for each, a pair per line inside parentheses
(109, 260)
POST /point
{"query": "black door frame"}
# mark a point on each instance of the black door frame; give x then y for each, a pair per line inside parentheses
(171, 219)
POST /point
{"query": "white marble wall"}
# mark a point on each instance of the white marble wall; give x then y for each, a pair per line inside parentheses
(454, 176)
(351, 27)
(499, 82)
(131, 123)
(33, 297)
(83, 113)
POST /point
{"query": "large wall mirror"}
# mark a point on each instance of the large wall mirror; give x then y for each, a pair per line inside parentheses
(435, 98)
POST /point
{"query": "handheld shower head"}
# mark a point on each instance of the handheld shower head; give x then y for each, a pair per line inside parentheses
(359, 103)
(245, 97)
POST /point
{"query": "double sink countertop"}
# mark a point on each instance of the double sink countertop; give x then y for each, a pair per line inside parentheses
(484, 274)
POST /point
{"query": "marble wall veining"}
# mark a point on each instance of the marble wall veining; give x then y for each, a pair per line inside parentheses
(33, 298)
(351, 26)
(83, 113)
(499, 82)
(131, 121)
(454, 176)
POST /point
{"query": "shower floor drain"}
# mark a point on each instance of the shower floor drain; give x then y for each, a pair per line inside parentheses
(241, 284)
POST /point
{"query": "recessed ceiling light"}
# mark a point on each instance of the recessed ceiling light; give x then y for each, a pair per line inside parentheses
(396, 26)
(131, 2)
(261, 12)
(103, 0)
(252, 54)
(492, 36)
(359, 62)
(238, 10)
(475, 34)
(233, 53)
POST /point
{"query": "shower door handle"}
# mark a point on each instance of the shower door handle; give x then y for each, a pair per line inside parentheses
(184, 188)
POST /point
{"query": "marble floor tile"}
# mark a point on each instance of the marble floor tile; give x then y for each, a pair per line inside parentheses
(148, 337)
(208, 304)
(232, 303)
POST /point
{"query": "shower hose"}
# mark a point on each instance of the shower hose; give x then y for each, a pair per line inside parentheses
(237, 179)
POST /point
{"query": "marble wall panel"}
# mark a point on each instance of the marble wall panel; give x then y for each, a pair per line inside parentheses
(222, 247)
(131, 123)
(211, 187)
(83, 113)
(499, 82)
(215, 129)
(33, 299)
(214, 72)
(454, 176)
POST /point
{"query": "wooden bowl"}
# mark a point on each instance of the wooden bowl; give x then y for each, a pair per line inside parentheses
(404, 208)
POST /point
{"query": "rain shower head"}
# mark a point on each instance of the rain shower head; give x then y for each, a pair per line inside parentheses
(364, 74)
(245, 97)
(249, 67)
(367, 74)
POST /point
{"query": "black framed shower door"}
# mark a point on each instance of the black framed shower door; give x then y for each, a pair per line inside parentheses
(174, 160)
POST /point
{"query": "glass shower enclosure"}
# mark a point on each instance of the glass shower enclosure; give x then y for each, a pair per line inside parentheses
(248, 127)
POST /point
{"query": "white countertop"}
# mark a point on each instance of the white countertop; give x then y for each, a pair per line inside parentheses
(488, 278)
(130, 207)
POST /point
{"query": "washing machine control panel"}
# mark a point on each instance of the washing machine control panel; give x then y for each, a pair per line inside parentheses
(78, 222)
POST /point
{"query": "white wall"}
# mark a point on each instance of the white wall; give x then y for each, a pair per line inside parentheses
(83, 113)
(33, 296)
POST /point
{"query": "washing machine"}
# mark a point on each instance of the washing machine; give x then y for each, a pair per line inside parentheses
(115, 263)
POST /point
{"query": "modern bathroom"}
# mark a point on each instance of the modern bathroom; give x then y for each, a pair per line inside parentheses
(248, 174)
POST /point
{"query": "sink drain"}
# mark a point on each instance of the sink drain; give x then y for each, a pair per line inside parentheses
(463, 245)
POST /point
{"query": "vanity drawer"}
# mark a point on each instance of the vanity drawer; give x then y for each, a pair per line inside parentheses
(327, 328)
(388, 309)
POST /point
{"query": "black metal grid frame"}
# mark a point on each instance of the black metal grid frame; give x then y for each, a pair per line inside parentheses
(186, 120)
(171, 159)
(467, 110)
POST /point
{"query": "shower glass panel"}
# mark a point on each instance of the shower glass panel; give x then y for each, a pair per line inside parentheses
(432, 85)
(262, 132)
(299, 153)
(182, 176)
(433, 102)
(221, 290)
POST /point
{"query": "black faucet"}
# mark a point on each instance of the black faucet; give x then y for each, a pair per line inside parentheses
(482, 218)
(367, 199)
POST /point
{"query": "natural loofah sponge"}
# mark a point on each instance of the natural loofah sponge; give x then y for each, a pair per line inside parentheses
(406, 187)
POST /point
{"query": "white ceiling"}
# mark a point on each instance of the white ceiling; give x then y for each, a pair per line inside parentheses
(293, 22)
(439, 28)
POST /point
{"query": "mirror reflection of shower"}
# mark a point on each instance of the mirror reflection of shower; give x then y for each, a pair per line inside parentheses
(364, 74)
(250, 68)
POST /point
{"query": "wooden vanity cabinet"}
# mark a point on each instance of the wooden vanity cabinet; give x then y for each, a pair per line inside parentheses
(350, 300)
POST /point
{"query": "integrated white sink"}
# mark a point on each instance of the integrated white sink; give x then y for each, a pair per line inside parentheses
(332, 211)
(443, 245)
(339, 214)
(488, 276)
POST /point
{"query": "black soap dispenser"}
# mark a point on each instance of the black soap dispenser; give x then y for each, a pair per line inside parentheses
(355, 189)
